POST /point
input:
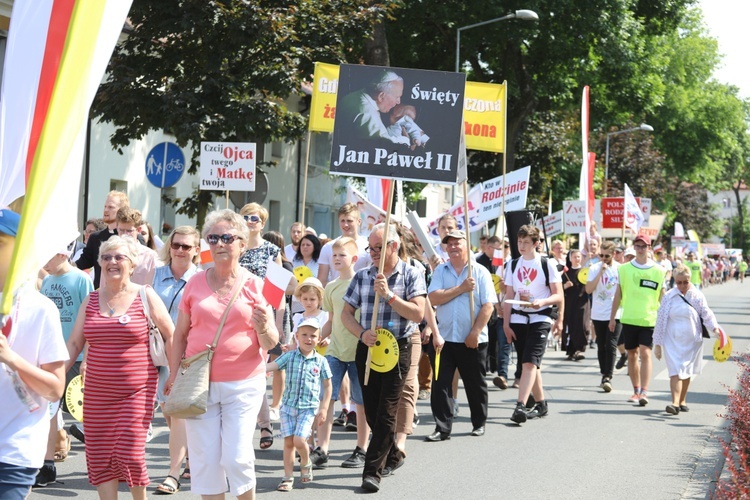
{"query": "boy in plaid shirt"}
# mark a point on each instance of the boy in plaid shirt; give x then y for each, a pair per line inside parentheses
(301, 403)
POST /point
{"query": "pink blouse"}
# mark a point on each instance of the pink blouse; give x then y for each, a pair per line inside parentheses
(238, 354)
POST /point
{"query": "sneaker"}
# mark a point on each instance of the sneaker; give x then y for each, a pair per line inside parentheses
(394, 462)
(319, 458)
(540, 410)
(455, 409)
(607, 385)
(46, 475)
(356, 461)
(643, 399)
(351, 421)
(423, 394)
(76, 430)
(415, 420)
(500, 382)
(622, 361)
(634, 398)
(519, 414)
(341, 419)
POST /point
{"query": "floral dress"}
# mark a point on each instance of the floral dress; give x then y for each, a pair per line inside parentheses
(256, 260)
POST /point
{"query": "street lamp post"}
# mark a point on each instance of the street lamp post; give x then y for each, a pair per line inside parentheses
(642, 126)
(523, 14)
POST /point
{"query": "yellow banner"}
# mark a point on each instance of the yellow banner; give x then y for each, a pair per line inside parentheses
(484, 116)
(323, 105)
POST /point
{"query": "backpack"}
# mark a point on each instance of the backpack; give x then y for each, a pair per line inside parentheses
(550, 311)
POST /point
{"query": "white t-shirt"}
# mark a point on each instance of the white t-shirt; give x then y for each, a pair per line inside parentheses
(290, 252)
(604, 294)
(36, 336)
(529, 277)
(326, 254)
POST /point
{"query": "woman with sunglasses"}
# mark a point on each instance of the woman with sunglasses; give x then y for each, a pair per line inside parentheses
(181, 256)
(678, 335)
(258, 251)
(120, 377)
(217, 439)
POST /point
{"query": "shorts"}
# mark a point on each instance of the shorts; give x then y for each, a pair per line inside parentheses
(16, 481)
(532, 338)
(338, 369)
(637, 335)
(295, 422)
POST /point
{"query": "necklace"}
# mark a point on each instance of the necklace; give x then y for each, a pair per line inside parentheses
(111, 309)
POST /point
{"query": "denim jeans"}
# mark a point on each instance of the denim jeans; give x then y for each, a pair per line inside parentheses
(503, 350)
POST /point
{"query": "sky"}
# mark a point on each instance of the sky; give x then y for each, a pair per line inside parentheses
(726, 21)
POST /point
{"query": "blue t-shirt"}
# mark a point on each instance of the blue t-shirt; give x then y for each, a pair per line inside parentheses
(68, 292)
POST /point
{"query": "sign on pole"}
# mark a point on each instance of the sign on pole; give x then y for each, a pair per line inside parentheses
(227, 166)
(553, 224)
(516, 192)
(398, 123)
(323, 102)
(574, 216)
(484, 116)
(612, 211)
(165, 164)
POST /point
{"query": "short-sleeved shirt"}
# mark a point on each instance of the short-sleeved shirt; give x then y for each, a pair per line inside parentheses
(604, 293)
(170, 290)
(303, 376)
(36, 336)
(326, 256)
(256, 260)
(405, 282)
(238, 355)
(68, 291)
(695, 271)
(343, 344)
(148, 260)
(454, 316)
(529, 277)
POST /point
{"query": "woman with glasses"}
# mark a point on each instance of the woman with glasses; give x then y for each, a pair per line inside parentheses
(217, 439)
(678, 335)
(120, 377)
(181, 255)
(258, 251)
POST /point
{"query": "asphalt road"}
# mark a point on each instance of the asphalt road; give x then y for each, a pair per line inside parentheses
(592, 445)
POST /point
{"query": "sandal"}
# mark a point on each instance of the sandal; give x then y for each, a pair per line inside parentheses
(62, 454)
(306, 477)
(286, 484)
(185, 474)
(266, 441)
(167, 489)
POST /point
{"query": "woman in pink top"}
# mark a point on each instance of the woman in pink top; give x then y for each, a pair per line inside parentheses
(217, 438)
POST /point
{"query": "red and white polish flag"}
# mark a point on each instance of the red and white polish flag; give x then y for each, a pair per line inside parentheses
(497, 258)
(274, 286)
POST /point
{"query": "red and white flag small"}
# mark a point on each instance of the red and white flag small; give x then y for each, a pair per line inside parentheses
(274, 286)
(497, 258)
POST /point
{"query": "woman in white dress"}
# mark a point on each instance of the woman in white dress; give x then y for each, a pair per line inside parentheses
(678, 335)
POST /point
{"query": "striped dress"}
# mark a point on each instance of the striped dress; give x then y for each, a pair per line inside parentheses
(119, 393)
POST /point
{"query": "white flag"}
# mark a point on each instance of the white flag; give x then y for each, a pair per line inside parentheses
(633, 214)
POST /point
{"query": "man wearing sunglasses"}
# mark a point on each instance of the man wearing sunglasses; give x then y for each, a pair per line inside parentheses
(640, 290)
(602, 285)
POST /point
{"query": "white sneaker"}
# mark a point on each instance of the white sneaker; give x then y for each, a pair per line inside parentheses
(150, 433)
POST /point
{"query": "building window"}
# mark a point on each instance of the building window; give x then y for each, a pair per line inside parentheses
(167, 212)
(274, 215)
(320, 149)
(277, 149)
(726, 202)
(118, 185)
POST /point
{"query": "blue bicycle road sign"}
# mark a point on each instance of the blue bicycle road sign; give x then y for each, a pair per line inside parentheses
(165, 164)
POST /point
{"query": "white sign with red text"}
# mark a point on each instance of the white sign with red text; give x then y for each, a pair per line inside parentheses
(574, 216)
(553, 224)
(516, 192)
(227, 166)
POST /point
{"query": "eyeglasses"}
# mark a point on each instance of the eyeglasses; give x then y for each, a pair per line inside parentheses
(227, 239)
(640, 247)
(126, 231)
(251, 218)
(117, 258)
(374, 249)
(605, 255)
(681, 282)
(185, 248)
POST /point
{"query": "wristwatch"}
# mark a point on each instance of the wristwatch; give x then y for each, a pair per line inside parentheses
(390, 298)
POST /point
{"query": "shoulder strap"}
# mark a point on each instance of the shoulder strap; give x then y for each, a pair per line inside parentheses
(144, 301)
(239, 283)
(545, 270)
(513, 264)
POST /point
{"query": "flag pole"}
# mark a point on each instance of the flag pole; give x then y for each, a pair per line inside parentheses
(624, 216)
(304, 181)
(501, 221)
(468, 246)
(381, 266)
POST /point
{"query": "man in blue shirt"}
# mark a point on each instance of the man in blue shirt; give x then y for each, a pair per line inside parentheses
(465, 335)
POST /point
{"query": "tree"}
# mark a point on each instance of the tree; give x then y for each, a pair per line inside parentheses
(224, 70)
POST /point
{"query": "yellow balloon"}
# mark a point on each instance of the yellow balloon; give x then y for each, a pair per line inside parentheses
(74, 398)
(384, 352)
(583, 275)
(722, 354)
(302, 273)
(496, 281)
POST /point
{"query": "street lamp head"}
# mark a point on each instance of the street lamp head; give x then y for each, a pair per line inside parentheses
(647, 128)
(526, 15)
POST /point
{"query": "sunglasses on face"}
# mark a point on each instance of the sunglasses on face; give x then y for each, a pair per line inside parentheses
(179, 246)
(374, 249)
(117, 258)
(605, 255)
(227, 239)
(251, 218)
(640, 247)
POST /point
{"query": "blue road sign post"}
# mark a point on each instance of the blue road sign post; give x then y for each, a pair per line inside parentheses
(165, 164)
